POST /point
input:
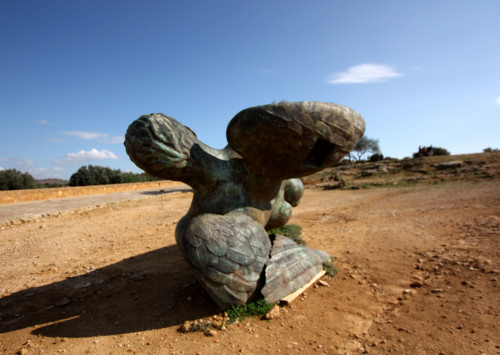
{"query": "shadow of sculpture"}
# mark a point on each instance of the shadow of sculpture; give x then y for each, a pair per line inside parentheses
(147, 291)
(166, 192)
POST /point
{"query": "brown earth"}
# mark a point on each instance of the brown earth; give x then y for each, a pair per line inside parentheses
(418, 274)
(28, 195)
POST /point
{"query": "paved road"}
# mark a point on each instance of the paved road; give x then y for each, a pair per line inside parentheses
(31, 210)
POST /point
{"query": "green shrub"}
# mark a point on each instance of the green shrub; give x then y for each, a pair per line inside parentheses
(330, 269)
(291, 231)
(258, 307)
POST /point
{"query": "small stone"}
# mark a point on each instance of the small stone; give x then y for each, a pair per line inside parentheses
(416, 283)
(273, 313)
(211, 333)
(437, 290)
(185, 327)
(323, 283)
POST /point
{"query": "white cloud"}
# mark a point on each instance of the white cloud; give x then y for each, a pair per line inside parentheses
(86, 135)
(1, 168)
(82, 156)
(44, 122)
(364, 73)
(19, 164)
(24, 164)
(498, 100)
(101, 137)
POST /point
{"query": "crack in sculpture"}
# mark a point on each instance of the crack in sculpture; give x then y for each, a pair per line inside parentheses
(249, 186)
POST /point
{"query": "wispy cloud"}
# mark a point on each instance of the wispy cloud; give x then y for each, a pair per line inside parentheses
(20, 164)
(86, 135)
(44, 122)
(498, 100)
(363, 74)
(24, 164)
(101, 137)
(82, 156)
(1, 168)
(117, 139)
(265, 71)
(45, 173)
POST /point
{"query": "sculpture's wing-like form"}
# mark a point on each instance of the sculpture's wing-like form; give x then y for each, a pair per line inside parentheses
(161, 146)
(294, 139)
(228, 253)
(291, 266)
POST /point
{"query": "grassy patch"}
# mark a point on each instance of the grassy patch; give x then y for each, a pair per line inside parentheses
(251, 309)
(291, 231)
(330, 269)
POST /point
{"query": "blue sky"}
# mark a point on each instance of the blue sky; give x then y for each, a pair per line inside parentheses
(74, 74)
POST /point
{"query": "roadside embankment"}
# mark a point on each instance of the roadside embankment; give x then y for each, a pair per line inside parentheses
(61, 192)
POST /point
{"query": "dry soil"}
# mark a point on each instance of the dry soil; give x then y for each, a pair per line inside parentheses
(418, 274)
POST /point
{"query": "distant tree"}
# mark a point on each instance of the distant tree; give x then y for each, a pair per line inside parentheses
(489, 150)
(440, 151)
(12, 179)
(376, 157)
(366, 145)
(430, 151)
(98, 175)
(130, 177)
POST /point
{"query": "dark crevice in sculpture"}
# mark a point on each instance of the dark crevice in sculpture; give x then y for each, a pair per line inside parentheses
(249, 186)
(320, 152)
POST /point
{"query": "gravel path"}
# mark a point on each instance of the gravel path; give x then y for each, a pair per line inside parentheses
(36, 209)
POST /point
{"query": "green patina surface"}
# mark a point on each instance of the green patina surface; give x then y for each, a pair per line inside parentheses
(245, 189)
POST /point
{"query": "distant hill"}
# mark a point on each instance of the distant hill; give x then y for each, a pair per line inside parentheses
(408, 171)
(52, 182)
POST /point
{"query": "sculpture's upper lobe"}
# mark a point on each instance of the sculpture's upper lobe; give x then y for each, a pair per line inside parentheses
(242, 189)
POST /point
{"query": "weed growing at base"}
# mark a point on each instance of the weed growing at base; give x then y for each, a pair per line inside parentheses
(330, 269)
(291, 231)
(258, 307)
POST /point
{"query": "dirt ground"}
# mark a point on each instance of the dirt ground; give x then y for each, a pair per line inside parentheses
(418, 274)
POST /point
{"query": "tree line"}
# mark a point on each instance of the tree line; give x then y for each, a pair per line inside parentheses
(98, 175)
(13, 179)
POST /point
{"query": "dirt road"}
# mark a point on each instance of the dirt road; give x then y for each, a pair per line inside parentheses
(418, 274)
(37, 209)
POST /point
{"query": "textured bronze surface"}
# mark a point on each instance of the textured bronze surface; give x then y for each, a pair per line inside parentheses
(246, 188)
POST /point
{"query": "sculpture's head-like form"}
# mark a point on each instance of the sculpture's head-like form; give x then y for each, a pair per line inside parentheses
(245, 188)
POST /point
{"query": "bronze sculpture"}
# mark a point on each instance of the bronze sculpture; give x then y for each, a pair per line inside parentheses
(246, 188)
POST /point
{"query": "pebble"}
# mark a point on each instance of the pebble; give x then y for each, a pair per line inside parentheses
(211, 333)
(416, 284)
(273, 313)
